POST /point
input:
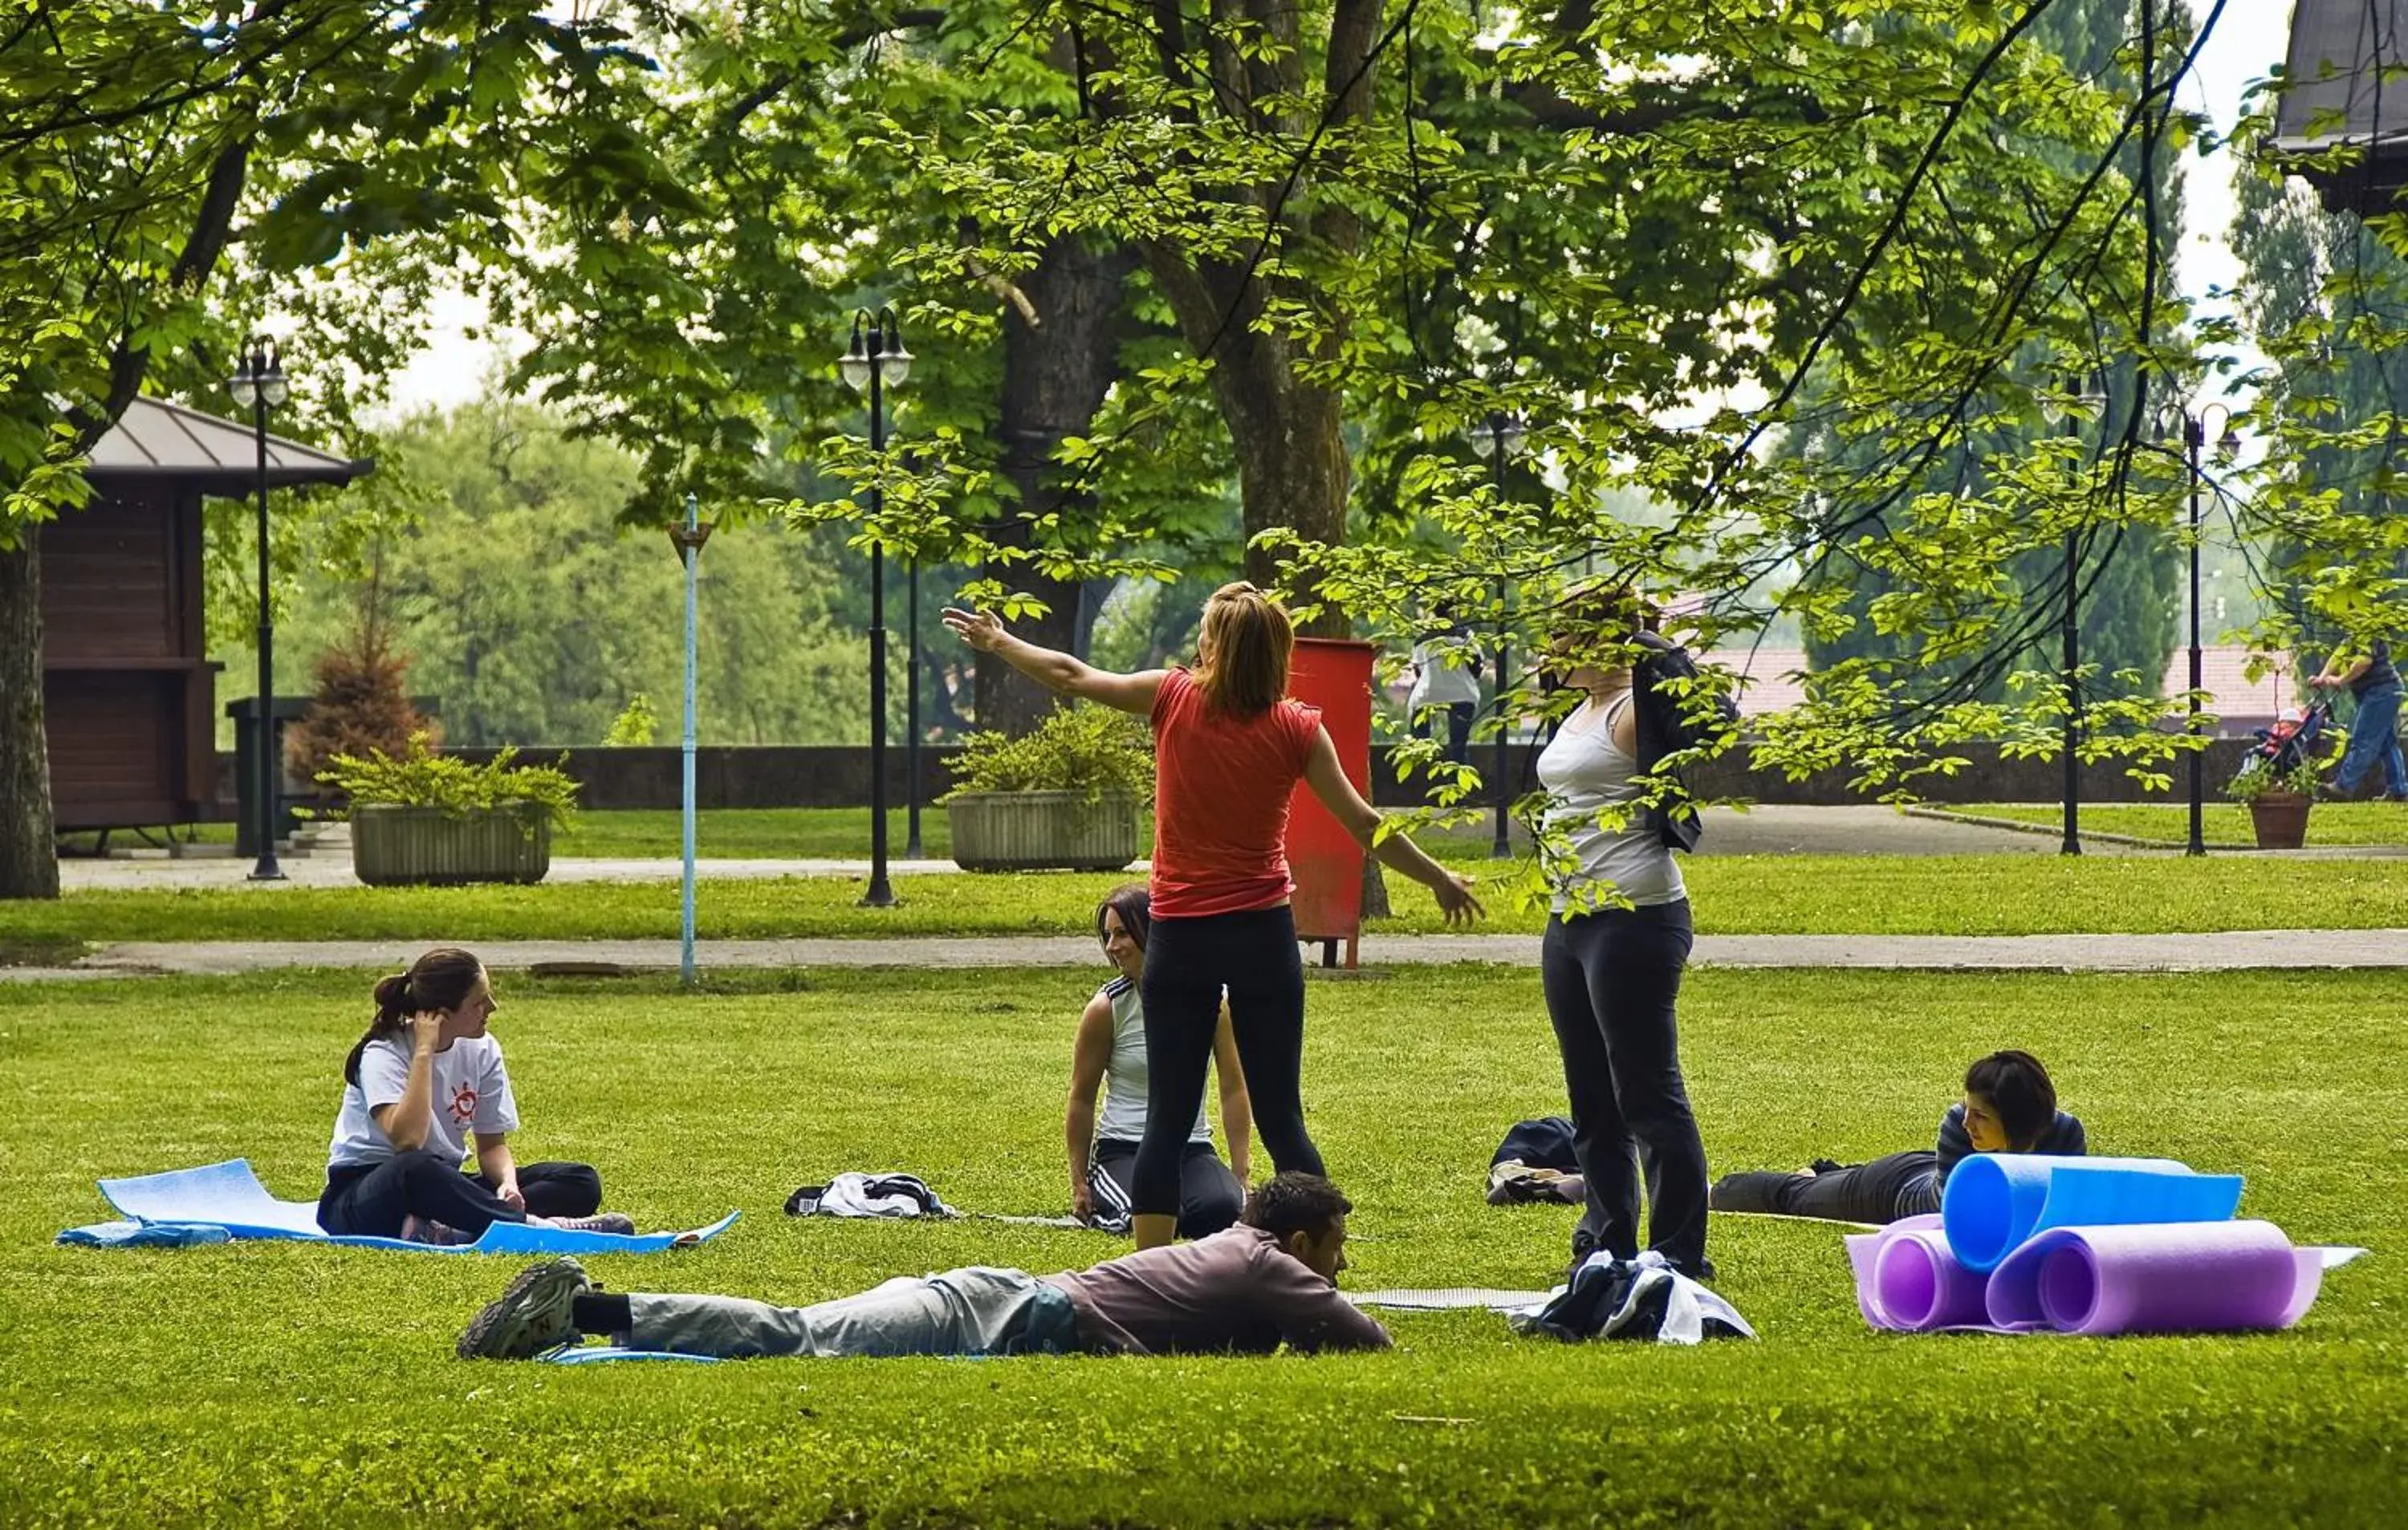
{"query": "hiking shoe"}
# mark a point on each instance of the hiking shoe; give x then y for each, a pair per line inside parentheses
(615, 1222)
(531, 1315)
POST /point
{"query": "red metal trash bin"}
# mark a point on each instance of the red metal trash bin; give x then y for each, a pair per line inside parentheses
(1335, 675)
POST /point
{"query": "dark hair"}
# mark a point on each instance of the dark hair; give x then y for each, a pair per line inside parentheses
(1246, 672)
(2018, 1090)
(1135, 906)
(440, 980)
(1295, 1202)
(1594, 622)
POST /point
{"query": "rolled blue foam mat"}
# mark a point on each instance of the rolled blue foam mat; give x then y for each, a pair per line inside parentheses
(1996, 1202)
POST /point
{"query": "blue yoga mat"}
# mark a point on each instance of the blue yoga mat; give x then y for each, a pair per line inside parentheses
(1995, 1203)
(594, 1354)
(229, 1195)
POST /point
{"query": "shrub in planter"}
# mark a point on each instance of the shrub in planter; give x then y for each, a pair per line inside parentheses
(1064, 798)
(2278, 803)
(426, 819)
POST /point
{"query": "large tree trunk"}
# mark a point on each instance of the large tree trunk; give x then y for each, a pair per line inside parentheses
(1292, 467)
(29, 863)
(1288, 433)
(1055, 374)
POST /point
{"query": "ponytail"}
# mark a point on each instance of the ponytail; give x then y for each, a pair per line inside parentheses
(440, 980)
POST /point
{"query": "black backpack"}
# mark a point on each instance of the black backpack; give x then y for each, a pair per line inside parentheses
(1688, 713)
(1675, 717)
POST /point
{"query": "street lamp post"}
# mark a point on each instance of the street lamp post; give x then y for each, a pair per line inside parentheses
(2072, 631)
(258, 385)
(912, 850)
(1494, 440)
(2194, 430)
(875, 362)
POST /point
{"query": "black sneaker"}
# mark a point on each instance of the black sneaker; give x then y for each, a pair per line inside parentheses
(531, 1315)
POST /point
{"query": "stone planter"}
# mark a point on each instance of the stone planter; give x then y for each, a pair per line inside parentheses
(393, 846)
(1042, 831)
(2281, 820)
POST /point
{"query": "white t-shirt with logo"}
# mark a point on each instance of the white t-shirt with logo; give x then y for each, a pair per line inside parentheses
(471, 1094)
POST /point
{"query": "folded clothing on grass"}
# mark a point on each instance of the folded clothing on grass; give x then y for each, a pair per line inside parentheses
(220, 1201)
(879, 1197)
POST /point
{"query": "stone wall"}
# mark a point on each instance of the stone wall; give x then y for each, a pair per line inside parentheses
(802, 776)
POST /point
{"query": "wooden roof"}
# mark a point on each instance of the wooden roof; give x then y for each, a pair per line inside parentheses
(2336, 92)
(160, 441)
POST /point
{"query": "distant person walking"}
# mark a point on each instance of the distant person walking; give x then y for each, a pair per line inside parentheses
(1446, 674)
(1229, 749)
(2373, 684)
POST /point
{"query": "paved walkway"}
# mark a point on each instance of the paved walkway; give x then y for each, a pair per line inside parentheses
(2228, 951)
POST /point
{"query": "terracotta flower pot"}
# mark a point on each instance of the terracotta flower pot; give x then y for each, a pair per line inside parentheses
(2281, 820)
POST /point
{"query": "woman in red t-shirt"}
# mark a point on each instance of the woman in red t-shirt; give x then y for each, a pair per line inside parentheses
(1229, 747)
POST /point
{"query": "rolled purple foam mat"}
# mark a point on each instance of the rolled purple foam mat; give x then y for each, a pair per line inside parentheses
(1922, 1285)
(1996, 1202)
(2196, 1277)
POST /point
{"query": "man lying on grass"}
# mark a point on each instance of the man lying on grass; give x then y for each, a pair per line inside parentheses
(1270, 1279)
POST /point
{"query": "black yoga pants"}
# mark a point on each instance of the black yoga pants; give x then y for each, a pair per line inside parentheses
(1188, 961)
(1210, 1196)
(1611, 979)
(371, 1200)
(1864, 1192)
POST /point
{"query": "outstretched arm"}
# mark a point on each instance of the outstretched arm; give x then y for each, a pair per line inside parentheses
(1053, 669)
(1237, 1105)
(1328, 779)
(1090, 1055)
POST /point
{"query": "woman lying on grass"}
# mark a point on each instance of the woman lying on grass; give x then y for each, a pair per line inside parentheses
(1110, 1052)
(424, 1078)
(2009, 1106)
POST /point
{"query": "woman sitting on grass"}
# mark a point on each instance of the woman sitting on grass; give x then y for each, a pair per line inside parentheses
(1110, 1052)
(2009, 1106)
(424, 1079)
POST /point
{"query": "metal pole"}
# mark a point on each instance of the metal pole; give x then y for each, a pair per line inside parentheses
(690, 554)
(266, 868)
(912, 850)
(879, 896)
(2073, 845)
(2193, 431)
(1501, 845)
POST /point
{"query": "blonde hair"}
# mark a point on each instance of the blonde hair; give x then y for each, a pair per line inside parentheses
(1242, 654)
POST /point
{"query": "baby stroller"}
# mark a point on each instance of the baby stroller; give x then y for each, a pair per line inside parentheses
(2291, 743)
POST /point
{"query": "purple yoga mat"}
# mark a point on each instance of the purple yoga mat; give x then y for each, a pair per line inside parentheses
(2200, 1277)
(2184, 1277)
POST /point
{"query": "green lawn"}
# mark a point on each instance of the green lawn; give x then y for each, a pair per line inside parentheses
(2221, 822)
(1982, 895)
(266, 1384)
(749, 833)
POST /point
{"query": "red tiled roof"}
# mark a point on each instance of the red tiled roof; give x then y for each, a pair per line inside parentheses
(1770, 680)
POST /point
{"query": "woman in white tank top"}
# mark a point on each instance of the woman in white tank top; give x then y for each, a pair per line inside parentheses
(1110, 1053)
(1617, 940)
